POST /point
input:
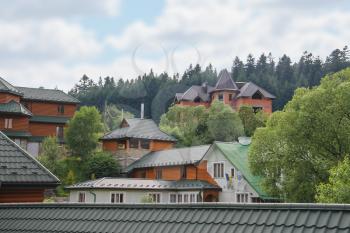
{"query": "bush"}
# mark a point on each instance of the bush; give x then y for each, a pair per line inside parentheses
(100, 165)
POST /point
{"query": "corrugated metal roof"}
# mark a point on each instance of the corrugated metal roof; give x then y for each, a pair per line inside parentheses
(237, 154)
(249, 89)
(172, 157)
(139, 128)
(18, 167)
(176, 218)
(14, 107)
(148, 184)
(8, 88)
(41, 94)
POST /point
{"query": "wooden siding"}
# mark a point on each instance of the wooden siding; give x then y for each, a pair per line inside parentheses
(198, 172)
(157, 145)
(191, 103)
(18, 123)
(17, 195)
(50, 109)
(109, 145)
(6, 97)
(43, 129)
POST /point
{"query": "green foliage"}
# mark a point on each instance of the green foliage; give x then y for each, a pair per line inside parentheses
(71, 178)
(294, 152)
(223, 123)
(185, 123)
(101, 165)
(50, 154)
(112, 117)
(250, 120)
(83, 132)
(337, 189)
(147, 199)
(199, 125)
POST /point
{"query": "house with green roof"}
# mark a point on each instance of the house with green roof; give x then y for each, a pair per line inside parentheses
(28, 115)
(227, 163)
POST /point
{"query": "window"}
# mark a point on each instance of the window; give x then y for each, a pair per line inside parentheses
(257, 95)
(8, 123)
(59, 132)
(134, 143)
(60, 109)
(145, 144)
(257, 109)
(221, 97)
(218, 170)
(158, 173)
(230, 97)
(155, 197)
(121, 145)
(242, 197)
(232, 172)
(183, 172)
(172, 198)
(81, 197)
(179, 198)
(185, 197)
(117, 197)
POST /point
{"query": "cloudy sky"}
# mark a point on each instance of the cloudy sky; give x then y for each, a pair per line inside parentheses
(53, 43)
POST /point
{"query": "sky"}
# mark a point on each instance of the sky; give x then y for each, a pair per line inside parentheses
(54, 43)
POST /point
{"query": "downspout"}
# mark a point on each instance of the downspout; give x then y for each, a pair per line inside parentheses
(93, 194)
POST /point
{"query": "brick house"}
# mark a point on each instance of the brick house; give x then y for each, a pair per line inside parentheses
(135, 138)
(235, 94)
(22, 177)
(28, 115)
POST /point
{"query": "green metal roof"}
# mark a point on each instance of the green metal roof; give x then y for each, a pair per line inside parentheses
(175, 218)
(49, 119)
(14, 107)
(18, 167)
(11, 133)
(8, 88)
(41, 94)
(171, 157)
(237, 154)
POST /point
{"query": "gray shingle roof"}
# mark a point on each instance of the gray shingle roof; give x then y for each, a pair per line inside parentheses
(143, 184)
(225, 81)
(249, 89)
(195, 92)
(18, 167)
(139, 128)
(172, 157)
(8, 88)
(14, 108)
(175, 218)
(41, 94)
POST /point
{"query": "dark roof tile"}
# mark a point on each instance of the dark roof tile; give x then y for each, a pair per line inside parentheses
(179, 218)
(225, 81)
(249, 89)
(8, 88)
(41, 94)
(15, 108)
(139, 128)
(17, 166)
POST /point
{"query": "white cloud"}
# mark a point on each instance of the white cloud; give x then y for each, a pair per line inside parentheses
(50, 39)
(40, 9)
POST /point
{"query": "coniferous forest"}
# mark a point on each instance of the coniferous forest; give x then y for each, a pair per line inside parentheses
(280, 76)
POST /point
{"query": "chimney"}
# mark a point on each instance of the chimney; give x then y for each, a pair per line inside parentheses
(142, 110)
(205, 87)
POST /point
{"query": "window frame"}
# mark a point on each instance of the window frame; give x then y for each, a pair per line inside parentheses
(81, 197)
(217, 173)
(60, 109)
(115, 197)
(60, 131)
(132, 143)
(144, 142)
(157, 195)
(8, 123)
(221, 96)
(185, 197)
(159, 173)
(242, 197)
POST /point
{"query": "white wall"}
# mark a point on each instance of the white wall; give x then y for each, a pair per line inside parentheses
(130, 196)
(229, 190)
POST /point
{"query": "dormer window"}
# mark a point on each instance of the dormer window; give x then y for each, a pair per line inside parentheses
(257, 95)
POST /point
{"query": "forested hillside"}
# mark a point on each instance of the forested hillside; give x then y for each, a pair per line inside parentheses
(279, 76)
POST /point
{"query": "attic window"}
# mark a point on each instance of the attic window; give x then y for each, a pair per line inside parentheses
(257, 95)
